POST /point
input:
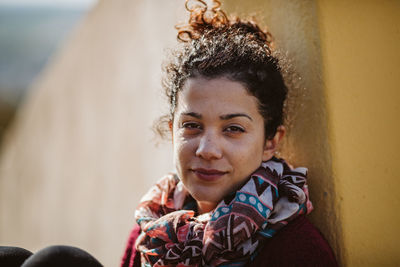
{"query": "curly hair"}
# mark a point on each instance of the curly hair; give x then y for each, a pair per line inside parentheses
(214, 46)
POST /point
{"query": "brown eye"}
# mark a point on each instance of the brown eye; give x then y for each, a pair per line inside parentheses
(191, 125)
(234, 129)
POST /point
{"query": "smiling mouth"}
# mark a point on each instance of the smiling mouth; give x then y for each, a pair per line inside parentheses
(208, 174)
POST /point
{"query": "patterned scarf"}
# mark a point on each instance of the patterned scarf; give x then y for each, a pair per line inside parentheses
(230, 235)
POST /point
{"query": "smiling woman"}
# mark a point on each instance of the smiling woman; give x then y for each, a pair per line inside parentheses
(231, 201)
(219, 140)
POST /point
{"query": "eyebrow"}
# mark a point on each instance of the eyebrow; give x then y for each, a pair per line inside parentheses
(192, 114)
(234, 115)
(222, 117)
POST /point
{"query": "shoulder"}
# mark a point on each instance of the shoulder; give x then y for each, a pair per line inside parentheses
(300, 243)
(131, 257)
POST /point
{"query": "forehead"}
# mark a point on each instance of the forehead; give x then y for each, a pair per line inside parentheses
(215, 96)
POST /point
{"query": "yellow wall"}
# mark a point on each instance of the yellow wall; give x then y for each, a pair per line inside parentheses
(360, 43)
(347, 131)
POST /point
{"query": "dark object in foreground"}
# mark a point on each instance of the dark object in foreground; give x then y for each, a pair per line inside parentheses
(13, 256)
(61, 256)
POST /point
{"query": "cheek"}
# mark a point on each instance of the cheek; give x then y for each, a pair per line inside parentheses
(251, 147)
(182, 151)
(177, 155)
(248, 156)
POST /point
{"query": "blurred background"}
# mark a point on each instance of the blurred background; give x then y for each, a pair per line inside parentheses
(80, 89)
(30, 33)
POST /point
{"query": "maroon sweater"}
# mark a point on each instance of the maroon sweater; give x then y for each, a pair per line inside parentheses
(298, 244)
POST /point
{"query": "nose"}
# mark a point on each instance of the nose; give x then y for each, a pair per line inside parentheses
(209, 147)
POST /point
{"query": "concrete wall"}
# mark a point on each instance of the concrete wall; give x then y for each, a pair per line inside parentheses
(346, 129)
(360, 43)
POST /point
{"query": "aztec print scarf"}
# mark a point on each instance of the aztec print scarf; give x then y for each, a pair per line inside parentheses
(231, 234)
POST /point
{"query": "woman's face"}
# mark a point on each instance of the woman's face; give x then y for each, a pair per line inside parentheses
(218, 137)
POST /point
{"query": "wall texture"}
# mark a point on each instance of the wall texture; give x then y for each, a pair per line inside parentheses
(360, 43)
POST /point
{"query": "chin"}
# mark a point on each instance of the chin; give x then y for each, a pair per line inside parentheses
(207, 196)
(204, 197)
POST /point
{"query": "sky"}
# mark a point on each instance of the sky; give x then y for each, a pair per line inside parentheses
(59, 3)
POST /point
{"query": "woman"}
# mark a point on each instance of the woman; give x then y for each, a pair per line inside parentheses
(231, 202)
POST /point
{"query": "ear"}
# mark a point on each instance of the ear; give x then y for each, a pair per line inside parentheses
(271, 145)
(170, 126)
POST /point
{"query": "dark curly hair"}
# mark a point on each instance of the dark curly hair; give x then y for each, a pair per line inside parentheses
(214, 46)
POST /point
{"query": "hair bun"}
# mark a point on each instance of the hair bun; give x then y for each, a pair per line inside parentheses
(202, 17)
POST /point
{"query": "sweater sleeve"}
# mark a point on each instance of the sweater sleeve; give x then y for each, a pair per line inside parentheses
(131, 257)
(298, 244)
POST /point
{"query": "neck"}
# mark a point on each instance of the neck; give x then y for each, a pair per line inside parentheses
(205, 206)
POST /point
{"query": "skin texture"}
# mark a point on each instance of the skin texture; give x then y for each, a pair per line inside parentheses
(218, 138)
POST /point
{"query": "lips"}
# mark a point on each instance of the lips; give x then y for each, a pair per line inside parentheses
(208, 175)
